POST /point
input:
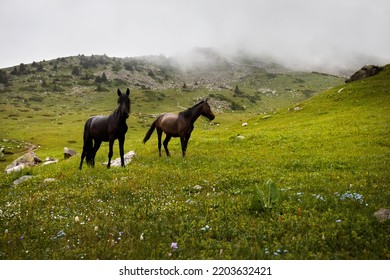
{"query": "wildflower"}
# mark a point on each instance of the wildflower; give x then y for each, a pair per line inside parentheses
(141, 237)
(338, 221)
(76, 219)
(96, 228)
(353, 196)
(205, 228)
(174, 246)
(319, 197)
(60, 234)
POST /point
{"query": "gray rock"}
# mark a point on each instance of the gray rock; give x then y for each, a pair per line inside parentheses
(127, 158)
(197, 187)
(68, 152)
(382, 215)
(22, 179)
(50, 160)
(49, 180)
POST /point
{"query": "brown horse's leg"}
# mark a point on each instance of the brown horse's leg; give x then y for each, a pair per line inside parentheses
(183, 145)
(110, 152)
(121, 141)
(167, 139)
(159, 135)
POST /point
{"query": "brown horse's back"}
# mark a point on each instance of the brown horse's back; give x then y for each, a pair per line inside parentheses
(169, 123)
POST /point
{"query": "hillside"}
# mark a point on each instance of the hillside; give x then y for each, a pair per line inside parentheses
(52, 92)
(328, 156)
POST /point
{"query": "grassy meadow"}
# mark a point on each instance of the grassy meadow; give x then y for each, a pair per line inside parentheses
(329, 156)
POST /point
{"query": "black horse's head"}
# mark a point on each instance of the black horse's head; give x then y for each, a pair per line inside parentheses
(206, 111)
(124, 103)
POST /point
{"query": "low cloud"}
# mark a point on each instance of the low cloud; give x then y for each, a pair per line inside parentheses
(306, 34)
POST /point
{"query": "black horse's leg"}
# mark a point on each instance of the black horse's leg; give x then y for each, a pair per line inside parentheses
(83, 154)
(96, 147)
(110, 152)
(167, 139)
(159, 135)
(121, 141)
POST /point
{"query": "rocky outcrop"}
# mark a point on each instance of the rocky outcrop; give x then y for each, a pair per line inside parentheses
(366, 71)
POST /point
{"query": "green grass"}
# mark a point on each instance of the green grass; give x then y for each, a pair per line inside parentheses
(329, 158)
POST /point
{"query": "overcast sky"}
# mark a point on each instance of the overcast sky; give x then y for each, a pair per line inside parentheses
(307, 32)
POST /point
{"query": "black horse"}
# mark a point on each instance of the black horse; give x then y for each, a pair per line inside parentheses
(180, 125)
(106, 128)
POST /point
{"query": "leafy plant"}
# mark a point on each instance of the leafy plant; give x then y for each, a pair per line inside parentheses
(265, 198)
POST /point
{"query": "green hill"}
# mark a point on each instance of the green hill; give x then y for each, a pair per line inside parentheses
(46, 103)
(328, 156)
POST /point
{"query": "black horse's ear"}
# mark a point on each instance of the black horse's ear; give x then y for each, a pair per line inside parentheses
(128, 91)
(119, 92)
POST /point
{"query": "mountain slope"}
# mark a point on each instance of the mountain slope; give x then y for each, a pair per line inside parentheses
(328, 156)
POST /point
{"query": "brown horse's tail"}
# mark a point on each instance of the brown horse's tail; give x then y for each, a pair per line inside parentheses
(150, 132)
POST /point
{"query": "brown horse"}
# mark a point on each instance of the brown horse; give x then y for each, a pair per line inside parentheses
(180, 125)
(100, 129)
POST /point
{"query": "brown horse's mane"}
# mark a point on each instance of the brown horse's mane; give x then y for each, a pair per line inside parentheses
(187, 112)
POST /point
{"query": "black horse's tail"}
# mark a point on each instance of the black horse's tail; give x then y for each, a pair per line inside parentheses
(88, 145)
(150, 132)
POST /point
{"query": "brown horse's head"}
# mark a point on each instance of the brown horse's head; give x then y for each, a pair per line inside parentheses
(206, 110)
(124, 103)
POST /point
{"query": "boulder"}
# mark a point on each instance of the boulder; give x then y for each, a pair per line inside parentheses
(366, 71)
(28, 159)
(68, 152)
